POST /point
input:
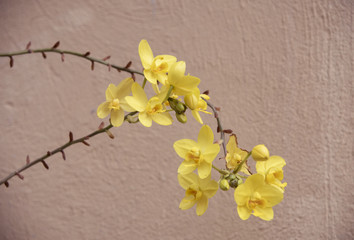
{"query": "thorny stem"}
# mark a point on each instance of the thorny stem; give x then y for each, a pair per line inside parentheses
(82, 55)
(220, 129)
(59, 149)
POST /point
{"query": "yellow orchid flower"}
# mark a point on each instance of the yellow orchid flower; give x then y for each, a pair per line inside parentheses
(149, 110)
(235, 155)
(257, 197)
(115, 103)
(197, 155)
(195, 102)
(198, 191)
(155, 68)
(182, 85)
(272, 169)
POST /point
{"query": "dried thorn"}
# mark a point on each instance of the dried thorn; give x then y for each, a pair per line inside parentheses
(101, 126)
(45, 164)
(56, 45)
(118, 70)
(86, 54)
(11, 61)
(44, 55)
(62, 57)
(227, 131)
(217, 109)
(86, 143)
(216, 115)
(133, 76)
(206, 92)
(28, 45)
(110, 134)
(218, 129)
(7, 184)
(19, 175)
(109, 67)
(92, 65)
(27, 160)
(128, 64)
(63, 154)
(71, 137)
(29, 51)
(49, 153)
(106, 58)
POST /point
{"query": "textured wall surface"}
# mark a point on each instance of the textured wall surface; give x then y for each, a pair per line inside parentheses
(281, 71)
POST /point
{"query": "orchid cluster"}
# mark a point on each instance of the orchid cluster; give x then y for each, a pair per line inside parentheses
(174, 94)
(177, 93)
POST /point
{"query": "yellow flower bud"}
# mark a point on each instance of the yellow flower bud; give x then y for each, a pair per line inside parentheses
(260, 153)
(181, 117)
(224, 185)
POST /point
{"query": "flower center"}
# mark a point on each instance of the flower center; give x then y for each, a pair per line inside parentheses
(115, 104)
(193, 192)
(194, 155)
(256, 201)
(154, 106)
(159, 65)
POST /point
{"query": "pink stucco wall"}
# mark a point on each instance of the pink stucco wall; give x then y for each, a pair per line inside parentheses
(281, 71)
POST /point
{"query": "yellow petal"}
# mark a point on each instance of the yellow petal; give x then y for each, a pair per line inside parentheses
(162, 78)
(204, 169)
(145, 119)
(176, 72)
(186, 204)
(117, 117)
(125, 106)
(124, 88)
(210, 152)
(150, 76)
(202, 205)
(185, 180)
(169, 59)
(183, 146)
(103, 110)
(271, 193)
(244, 212)
(209, 187)
(145, 54)
(205, 137)
(185, 85)
(197, 117)
(231, 144)
(139, 100)
(111, 92)
(264, 213)
(162, 118)
(187, 167)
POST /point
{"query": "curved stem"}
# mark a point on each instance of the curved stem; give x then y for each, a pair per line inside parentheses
(84, 55)
(220, 129)
(59, 149)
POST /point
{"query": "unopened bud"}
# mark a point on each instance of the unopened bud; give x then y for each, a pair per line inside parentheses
(181, 117)
(177, 106)
(236, 182)
(224, 185)
(260, 153)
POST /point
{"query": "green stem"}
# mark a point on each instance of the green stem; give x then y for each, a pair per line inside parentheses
(168, 94)
(144, 83)
(223, 172)
(236, 170)
(85, 56)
